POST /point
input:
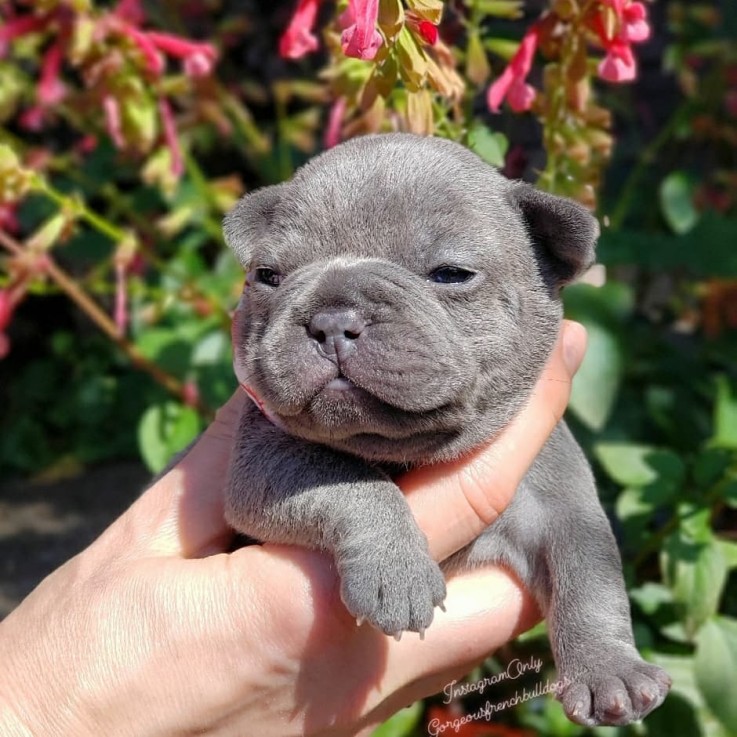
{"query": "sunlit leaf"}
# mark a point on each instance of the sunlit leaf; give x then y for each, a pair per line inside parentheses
(491, 146)
(596, 384)
(676, 203)
(402, 724)
(696, 573)
(716, 668)
(164, 430)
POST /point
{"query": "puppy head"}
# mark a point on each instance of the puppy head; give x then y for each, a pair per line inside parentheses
(401, 296)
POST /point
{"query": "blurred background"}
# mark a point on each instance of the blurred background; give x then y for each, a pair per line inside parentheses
(128, 129)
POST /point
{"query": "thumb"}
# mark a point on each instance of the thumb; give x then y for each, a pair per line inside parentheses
(181, 513)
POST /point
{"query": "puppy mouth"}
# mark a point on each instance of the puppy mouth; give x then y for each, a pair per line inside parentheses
(340, 389)
(339, 384)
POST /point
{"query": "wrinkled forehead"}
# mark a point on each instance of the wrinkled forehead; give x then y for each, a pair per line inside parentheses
(403, 214)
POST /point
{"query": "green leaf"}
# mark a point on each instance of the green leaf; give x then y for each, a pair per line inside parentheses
(716, 669)
(651, 596)
(676, 203)
(630, 506)
(706, 250)
(212, 348)
(546, 717)
(725, 414)
(729, 494)
(596, 384)
(626, 463)
(729, 550)
(490, 146)
(677, 716)
(681, 669)
(696, 573)
(502, 47)
(639, 465)
(709, 466)
(402, 724)
(164, 430)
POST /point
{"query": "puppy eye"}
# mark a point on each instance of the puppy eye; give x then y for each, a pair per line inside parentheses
(451, 275)
(268, 276)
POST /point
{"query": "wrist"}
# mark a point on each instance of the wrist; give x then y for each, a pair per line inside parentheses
(11, 725)
(34, 702)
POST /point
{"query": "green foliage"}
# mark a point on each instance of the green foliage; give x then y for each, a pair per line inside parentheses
(403, 724)
(654, 403)
(490, 146)
(676, 202)
(164, 430)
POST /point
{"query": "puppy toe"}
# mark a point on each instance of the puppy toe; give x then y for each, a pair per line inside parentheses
(576, 701)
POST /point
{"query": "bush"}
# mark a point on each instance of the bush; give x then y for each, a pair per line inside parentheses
(122, 144)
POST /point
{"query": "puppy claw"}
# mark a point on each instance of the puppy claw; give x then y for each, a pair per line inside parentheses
(421, 632)
(577, 710)
(441, 606)
(360, 621)
(397, 636)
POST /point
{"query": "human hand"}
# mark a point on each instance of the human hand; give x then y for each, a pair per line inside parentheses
(156, 630)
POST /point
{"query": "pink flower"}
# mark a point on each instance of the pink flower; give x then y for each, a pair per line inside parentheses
(512, 84)
(619, 64)
(130, 11)
(153, 59)
(87, 144)
(7, 305)
(113, 121)
(33, 118)
(635, 26)
(335, 123)
(191, 393)
(298, 39)
(16, 27)
(9, 221)
(121, 298)
(361, 40)
(198, 64)
(170, 136)
(50, 88)
(198, 58)
(6, 309)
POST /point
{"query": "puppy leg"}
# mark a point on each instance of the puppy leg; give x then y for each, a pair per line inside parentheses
(557, 539)
(285, 490)
(605, 679)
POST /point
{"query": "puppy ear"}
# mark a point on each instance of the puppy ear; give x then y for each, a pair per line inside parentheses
(249, 219)
(563, 233)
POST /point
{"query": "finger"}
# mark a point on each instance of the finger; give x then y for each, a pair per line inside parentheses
(485, 609)
(292, 598)
(182, 512)
(454, 502)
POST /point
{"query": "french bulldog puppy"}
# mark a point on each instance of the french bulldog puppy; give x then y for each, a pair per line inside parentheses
(401, 300)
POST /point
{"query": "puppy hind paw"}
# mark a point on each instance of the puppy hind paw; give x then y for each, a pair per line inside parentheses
(615, 695)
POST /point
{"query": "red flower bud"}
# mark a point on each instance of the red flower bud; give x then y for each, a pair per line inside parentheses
(428, 31)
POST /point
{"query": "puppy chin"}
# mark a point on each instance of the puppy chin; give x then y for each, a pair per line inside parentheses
(341, 409)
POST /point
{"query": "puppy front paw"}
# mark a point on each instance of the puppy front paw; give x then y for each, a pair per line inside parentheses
(622, 689)
(395, 590)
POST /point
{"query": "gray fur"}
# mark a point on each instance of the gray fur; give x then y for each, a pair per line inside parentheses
(435, 370)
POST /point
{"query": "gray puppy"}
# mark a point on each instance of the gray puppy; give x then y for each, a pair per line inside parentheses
(401, 300)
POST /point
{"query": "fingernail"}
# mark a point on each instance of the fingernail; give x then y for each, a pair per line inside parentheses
(574, 345)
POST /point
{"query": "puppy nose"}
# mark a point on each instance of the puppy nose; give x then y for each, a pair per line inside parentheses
(336, 331)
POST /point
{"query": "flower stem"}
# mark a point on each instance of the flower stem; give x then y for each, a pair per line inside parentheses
(98, 316)
(100, 224)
